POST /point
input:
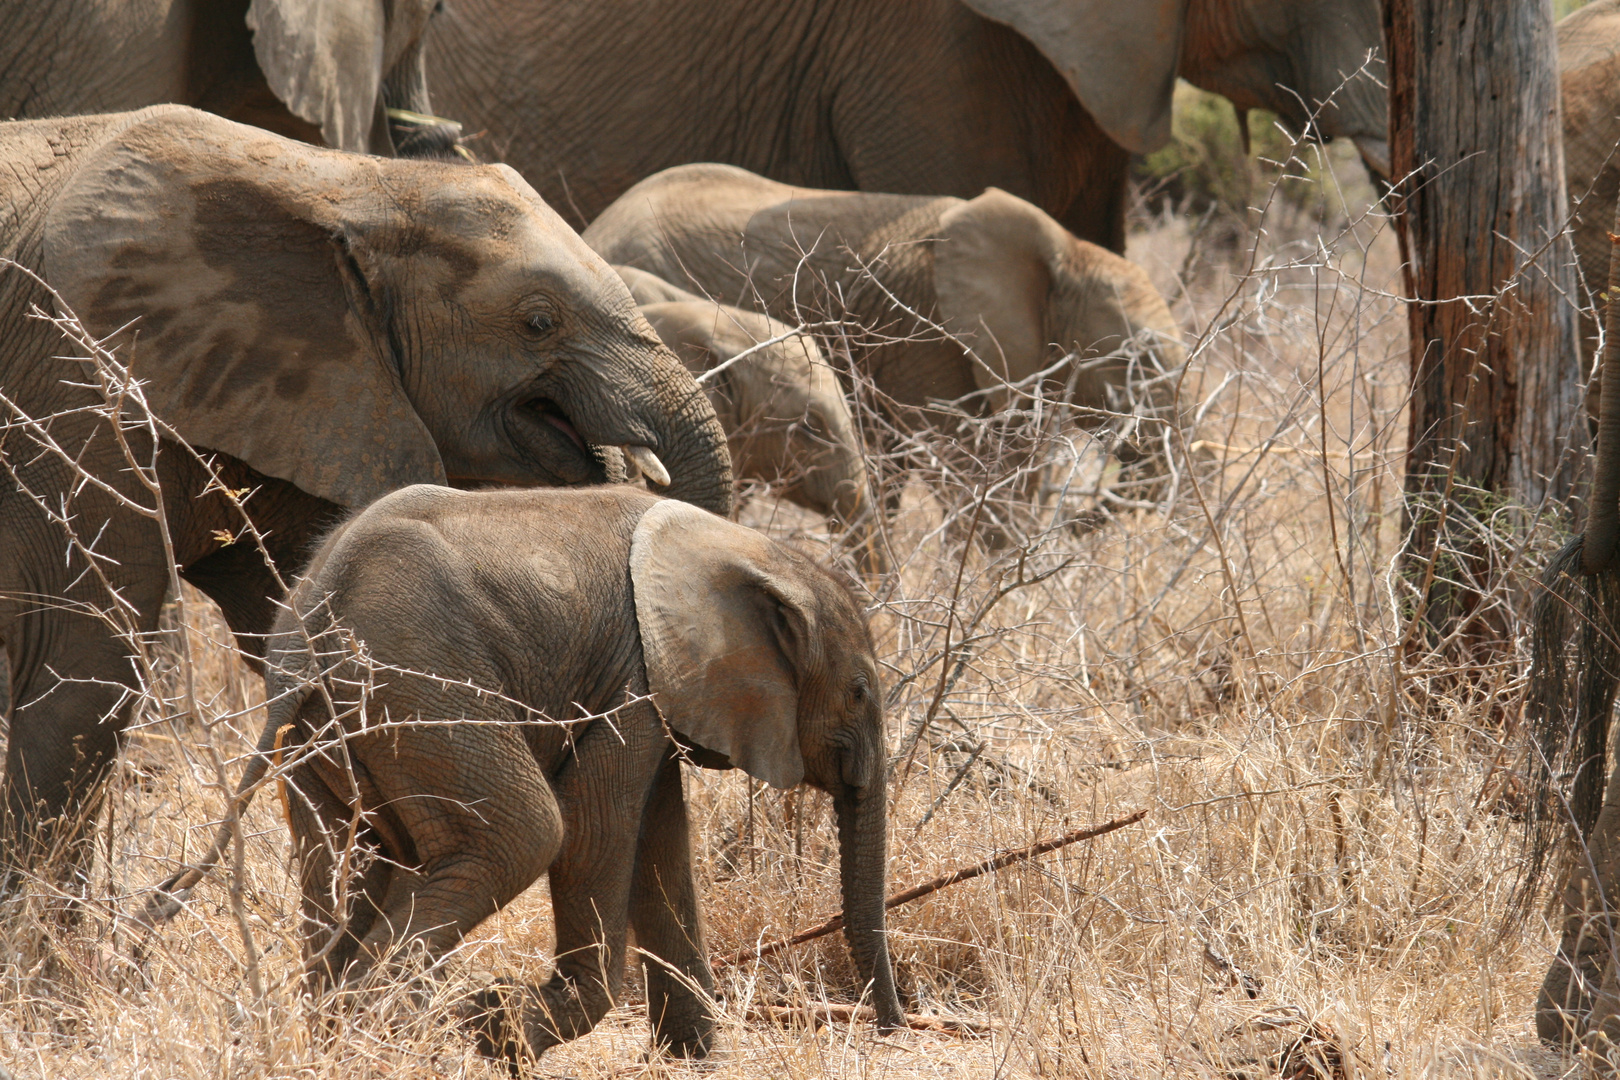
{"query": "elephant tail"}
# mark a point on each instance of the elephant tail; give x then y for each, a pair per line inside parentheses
(1574, 672)
(168, 897)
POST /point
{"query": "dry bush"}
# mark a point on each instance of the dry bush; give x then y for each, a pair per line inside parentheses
(1324, 884)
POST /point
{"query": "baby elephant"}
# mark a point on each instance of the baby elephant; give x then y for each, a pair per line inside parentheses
(782, 407)
(538, 663)
(1014, 288)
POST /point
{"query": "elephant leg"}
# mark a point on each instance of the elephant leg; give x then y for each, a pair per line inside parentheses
(664, 915)
(1572, 991)
(603, 792)
(336, 913)
(467, 821)
(72, 682)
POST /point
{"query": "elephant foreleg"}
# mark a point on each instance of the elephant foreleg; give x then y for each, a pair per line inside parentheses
(73, 681)
(664, 915)
(603, 792)
(1580, 992)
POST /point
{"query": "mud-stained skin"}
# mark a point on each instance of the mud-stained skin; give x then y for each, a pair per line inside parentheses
(573, 606)
(325, 328)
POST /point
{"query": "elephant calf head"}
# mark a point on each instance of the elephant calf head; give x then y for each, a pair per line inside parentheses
(755, 653)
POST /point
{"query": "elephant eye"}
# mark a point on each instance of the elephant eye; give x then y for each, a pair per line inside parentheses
(858, 692)
(541, 323)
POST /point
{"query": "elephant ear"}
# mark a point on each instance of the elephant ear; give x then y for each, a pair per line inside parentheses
(725, 629)
(324, 60)
(222, 255)
(992, 275)
(1119, 56)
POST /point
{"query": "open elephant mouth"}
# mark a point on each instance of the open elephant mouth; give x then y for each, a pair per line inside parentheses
(542, 440)
(549, 412)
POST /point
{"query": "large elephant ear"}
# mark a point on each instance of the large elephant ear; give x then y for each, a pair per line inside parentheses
(992, 276)
(1119, 57)
(324, 60)
(222, 251)
(724, 630)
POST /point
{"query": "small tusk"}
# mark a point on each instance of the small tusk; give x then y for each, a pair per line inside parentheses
(648, 463)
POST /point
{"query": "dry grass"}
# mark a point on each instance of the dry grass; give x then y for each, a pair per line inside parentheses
(1326, 827)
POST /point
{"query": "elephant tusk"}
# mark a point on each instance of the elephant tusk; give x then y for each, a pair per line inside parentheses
(648, 463)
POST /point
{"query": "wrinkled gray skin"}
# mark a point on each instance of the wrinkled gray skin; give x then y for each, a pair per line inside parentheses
(572, 604)
(996, 271)
(314, 70)
(786, 420)
(330, 327)
(1045, 99)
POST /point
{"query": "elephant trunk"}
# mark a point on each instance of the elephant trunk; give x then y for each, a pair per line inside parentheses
(691, 443)
(863, 859)
(1603, 524)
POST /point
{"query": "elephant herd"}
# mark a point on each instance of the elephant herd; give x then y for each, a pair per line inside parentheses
(366, 374)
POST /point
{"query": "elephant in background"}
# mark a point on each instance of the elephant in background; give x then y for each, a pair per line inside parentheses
(1589, 80)
(317, 70)
(783, 408)
(326, 327)
(1045, 99)
(998, 273)
(575, 606)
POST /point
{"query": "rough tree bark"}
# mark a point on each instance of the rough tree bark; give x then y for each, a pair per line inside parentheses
(1496, 415)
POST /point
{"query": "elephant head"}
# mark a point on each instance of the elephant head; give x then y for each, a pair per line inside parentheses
(1024, 291)
(782, 407)
(350, 67)
(355, 324)
(1293, 57)
(755, 653)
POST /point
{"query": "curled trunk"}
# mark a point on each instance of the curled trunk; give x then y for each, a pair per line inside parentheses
(692, 446)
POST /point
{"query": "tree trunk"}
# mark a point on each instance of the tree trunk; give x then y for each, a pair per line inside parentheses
(1496, 418)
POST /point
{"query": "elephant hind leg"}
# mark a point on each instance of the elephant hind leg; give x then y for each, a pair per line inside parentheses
(341, 896)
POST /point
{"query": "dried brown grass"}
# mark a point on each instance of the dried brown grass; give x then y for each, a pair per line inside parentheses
(1327, 828)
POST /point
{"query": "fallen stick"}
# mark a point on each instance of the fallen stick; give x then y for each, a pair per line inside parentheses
(989, 866)
(817, 1015)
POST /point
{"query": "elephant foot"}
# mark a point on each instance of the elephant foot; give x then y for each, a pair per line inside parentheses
(495, 1016)
(1565, 1001)
(684, 1037)
(519, 1023)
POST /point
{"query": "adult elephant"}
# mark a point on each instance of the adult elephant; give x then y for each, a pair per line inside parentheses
(1045, 99)
(327, 327)
(316, 70)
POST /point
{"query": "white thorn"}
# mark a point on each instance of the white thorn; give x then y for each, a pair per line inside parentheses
(648, 463)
